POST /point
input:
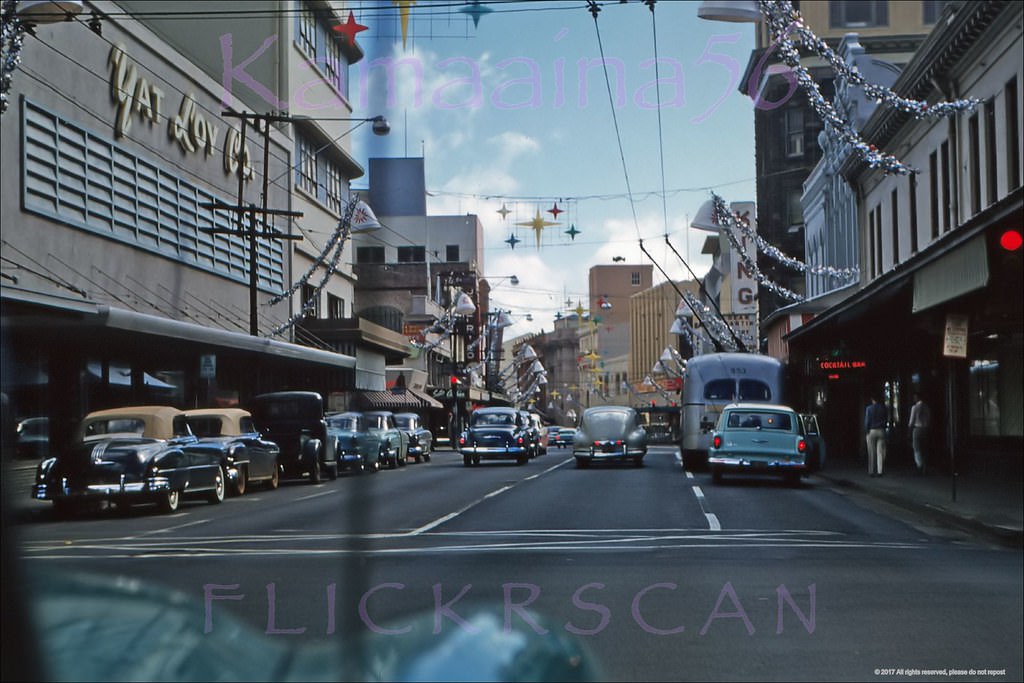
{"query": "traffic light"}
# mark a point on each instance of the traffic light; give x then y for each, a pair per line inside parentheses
(456, 382)
(1006, 254)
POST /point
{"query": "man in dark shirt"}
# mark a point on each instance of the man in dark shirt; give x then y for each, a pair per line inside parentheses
(874, 426)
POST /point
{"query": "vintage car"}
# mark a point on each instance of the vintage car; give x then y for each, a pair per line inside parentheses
(532, 433)
(245, 456)
(295, 421)
(155, 422)
(541, 430)
(358, 450)
(758, 439)
(610, 434)
(421, 440)
(496, 433)
(561, 437)
(129, 470)
(393, 442)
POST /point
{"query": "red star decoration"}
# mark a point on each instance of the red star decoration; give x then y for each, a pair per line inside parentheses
(350, 28)
(554, 210)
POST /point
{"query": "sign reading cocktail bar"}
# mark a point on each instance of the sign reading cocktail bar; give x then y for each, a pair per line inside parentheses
(137, 98)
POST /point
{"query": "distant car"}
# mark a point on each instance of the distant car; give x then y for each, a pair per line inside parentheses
(294, 420)
(610, 434)
(245, 456)
(561, 437)
(33, 438)
(129, 470)
(532, 431)
(394, 443)
(357, 449)
(541, 430)
(155, 422)
(757, 439)
(496, 433)
(421, 440)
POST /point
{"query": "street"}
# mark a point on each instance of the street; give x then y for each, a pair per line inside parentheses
(660, 574)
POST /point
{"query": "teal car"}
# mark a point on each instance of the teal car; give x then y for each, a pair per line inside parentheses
(358, 450)
(759, 439)
(391, 442)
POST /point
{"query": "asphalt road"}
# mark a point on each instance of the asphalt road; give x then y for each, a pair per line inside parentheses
(660, 574)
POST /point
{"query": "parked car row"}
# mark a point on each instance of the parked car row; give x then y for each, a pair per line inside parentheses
(159, 454)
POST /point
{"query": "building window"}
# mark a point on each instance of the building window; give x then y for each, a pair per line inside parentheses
(335, 307)
(307, 163)
(793, 136)
(947, 209)
(878, 239)
(1012, 136)
(307, 32)
(913, 213)
(991, 169)
(310, 301)
(334, 188)
(933, 192)
(932, 10)
(412, 254)
(451, 253)
(370, 255)
(974, 162)
(858, 13)
(634, 278)
(872, 245)
(895, 211)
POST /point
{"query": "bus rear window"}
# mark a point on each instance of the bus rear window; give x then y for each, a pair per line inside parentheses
(753, 390)
(719, 390)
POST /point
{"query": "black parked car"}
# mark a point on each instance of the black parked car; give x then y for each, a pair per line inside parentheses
(126, 471)
(245, 456)
(496, 433)
(421, 440)
(294, 420)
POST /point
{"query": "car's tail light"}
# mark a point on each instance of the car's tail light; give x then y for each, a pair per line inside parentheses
(801, 446)
(716, 441)
(462, 441)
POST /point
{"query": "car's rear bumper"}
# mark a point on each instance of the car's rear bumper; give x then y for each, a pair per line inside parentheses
(757, 463)
(494, 451)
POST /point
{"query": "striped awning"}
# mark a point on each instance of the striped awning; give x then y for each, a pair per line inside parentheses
(398, 399)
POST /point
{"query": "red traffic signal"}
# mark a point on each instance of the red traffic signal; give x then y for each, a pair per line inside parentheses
(1011, 240)
(456, 381)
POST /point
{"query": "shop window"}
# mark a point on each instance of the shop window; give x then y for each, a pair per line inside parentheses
(451, 253)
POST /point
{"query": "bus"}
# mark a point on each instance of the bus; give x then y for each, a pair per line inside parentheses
(710, 382)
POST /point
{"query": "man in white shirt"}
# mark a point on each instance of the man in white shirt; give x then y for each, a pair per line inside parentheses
(920, 422)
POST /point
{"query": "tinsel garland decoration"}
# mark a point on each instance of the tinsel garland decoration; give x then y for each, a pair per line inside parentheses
(338, 240)
(782, 20)
(13, 38)
(725, 218)
(717, 326)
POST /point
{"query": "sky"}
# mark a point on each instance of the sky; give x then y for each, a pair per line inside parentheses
(508, 113)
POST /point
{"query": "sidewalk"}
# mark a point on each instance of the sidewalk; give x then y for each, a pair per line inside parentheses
(985, 504)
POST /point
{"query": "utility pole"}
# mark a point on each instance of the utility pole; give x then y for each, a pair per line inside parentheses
(241, 210)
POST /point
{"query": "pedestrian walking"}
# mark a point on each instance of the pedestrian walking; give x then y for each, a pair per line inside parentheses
(920, 422)
(874, 428)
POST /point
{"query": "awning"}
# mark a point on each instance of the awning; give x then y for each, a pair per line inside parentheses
(398, 399)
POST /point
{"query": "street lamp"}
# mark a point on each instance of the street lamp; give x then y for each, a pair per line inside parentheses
(735, 11)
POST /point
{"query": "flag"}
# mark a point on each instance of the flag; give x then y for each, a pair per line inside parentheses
(363, 218)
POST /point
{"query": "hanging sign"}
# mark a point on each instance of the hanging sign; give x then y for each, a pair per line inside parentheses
(954, 341)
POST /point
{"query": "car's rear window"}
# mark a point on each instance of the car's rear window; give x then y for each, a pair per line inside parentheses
(487, 419)
(760, 420)
(116, 426)
(205, 426)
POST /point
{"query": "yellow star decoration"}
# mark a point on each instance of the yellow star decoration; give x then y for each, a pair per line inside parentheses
(538, 224)
(404, 9)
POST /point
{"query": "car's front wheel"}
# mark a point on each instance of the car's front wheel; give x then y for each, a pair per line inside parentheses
(466, 459)
(169, 501)
(582, 463)
(275, 478)
(241, 482)
(315, 476)
(217, 495)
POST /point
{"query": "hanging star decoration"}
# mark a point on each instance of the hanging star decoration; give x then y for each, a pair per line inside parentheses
(513, 240)
(554, 210)
(404, 10)
(350, 28)
(504, 211)
(572, 232)
(476, 9)
(538, 224)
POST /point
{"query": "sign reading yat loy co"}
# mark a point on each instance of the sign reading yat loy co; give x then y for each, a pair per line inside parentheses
(135, 97)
